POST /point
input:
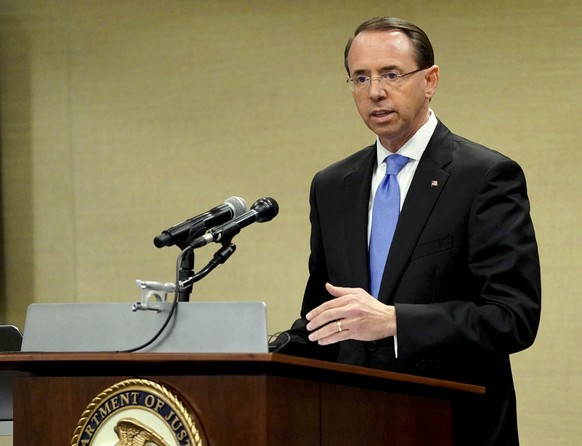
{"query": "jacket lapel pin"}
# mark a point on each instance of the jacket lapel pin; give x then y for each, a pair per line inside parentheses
(434, 183)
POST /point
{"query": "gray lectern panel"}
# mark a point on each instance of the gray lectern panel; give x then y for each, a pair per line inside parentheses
(197, 327)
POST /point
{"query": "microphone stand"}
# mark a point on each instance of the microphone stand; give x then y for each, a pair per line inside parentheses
(185, 272)
(220, 256)
(186, 262)
(185, 275)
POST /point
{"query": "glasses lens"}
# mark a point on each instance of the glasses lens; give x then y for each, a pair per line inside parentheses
(359, 83)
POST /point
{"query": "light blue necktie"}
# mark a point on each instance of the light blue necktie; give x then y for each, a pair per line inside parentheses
(384, 218)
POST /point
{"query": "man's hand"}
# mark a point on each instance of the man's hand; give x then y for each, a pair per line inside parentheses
(353, 314)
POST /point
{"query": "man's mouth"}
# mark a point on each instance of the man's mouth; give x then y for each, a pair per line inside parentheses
(381, 113)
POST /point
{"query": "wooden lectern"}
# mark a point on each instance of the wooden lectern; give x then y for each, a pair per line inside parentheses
(242, 399)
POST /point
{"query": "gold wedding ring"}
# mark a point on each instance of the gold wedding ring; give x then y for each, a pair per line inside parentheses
(339, 326)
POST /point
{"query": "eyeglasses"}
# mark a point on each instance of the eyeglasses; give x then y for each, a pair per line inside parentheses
(362, 82)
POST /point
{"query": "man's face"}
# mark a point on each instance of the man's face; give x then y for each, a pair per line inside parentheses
(394, 110)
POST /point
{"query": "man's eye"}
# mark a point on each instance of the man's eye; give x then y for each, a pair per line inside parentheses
(390, 76)
(360, 79)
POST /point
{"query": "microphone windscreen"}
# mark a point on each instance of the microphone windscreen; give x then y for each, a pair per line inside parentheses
(238, 204)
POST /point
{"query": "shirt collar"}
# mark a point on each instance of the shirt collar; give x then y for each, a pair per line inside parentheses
(415, 146)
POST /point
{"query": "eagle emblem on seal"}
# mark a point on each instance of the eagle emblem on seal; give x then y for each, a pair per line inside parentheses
(132, 432)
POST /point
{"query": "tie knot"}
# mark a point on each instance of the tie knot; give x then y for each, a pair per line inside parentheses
(395, 163)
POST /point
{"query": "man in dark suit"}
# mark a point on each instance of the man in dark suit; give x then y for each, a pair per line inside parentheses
(460, 289)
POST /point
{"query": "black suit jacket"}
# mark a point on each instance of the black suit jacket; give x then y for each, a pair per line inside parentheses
(463, 273)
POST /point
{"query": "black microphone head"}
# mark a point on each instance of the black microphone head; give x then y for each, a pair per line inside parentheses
(164, 239)
(266, 209)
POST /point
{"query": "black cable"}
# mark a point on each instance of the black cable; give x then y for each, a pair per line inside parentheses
(172, 310)
(160, 331)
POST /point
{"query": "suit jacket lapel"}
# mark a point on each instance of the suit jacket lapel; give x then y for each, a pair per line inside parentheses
(428, 182)
(356, 191)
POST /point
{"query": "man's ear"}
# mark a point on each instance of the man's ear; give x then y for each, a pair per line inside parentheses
(431, 77)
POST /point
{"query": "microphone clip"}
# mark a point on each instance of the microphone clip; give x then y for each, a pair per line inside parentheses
(152, 295)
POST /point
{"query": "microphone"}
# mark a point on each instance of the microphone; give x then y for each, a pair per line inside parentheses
(262, 210)
(177, 234)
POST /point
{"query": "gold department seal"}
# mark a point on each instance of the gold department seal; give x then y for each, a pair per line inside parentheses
(138, 412)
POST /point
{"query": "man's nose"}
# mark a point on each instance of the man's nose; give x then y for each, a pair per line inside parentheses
(377, 88)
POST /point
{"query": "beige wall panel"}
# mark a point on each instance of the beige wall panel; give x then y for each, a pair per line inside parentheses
(121, 118)
(35, 157)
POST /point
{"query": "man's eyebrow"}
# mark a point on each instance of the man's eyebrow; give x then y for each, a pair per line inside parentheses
(390, 68)
(358, 72)
(381, 70)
